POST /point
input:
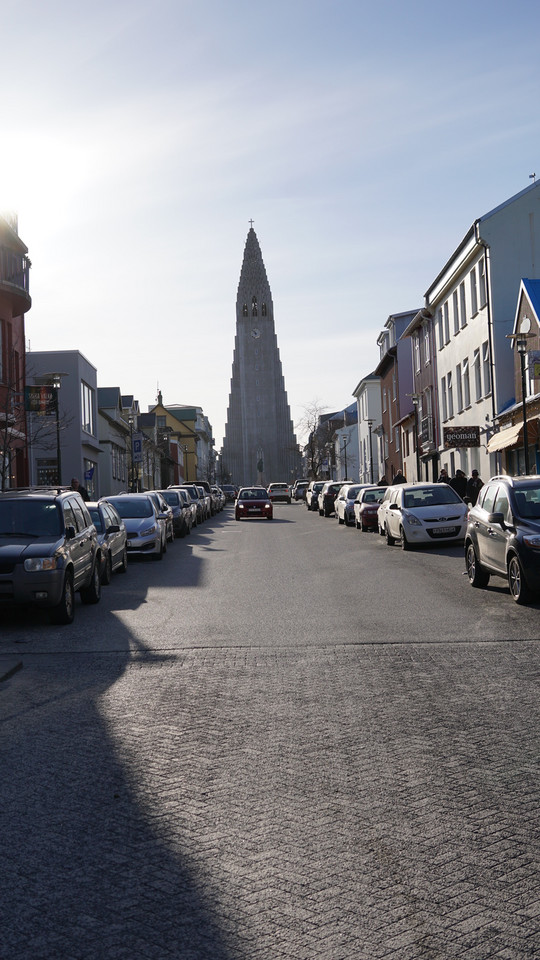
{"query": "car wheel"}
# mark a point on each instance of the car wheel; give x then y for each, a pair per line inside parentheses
(321, 512)
(92, 593)
(123, 566)
(64, 611)
(339, 519)
(381, 530)
(405, 545)
(516, 581)
(159, 554)
(363, 528)
(478, 577)
(106, 576)
(389, 539)
(357, 524)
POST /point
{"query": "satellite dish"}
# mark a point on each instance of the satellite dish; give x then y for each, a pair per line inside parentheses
(525, 325)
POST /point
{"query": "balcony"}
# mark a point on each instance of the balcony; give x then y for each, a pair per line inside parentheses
(15, 280)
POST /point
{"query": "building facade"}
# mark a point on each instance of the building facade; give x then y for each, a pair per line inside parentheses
(14, 303)
(259, 444)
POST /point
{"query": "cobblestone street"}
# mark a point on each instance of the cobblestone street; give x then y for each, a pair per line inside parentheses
(335, 801)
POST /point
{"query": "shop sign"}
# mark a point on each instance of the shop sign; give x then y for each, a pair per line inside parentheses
(461, 437)
(40, 399)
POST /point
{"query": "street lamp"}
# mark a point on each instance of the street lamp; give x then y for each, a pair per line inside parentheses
(132, 483)
(520, 340)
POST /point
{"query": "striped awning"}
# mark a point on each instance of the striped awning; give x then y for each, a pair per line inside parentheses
(505, 438)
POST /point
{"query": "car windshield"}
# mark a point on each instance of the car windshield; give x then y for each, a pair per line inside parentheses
(134, 508)
(278, 486)
(430, 496)
(373, 496)
(352, 492)
(253, 494)
(96, 518)
(171, 497)
(30, 518)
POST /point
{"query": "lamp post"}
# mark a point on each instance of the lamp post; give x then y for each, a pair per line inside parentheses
(520, 340)
(185, 450)
(370, 425)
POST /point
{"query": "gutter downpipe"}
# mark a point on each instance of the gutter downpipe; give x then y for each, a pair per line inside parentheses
(487, 262)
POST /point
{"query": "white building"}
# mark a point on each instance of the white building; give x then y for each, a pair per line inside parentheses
(472, 302)
(368, 404)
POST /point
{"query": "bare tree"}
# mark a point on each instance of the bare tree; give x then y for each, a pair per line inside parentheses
(317, 434)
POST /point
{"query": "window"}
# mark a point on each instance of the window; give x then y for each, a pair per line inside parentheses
(87, 407)
(485, 366)
(440, 328)
(466, 383)
(416, 343)
(450, 395)
(396, 434)
(444, 402)
(1, 350)
(393, 386)
(427, 352)
(446, 323)
(161, 422)
(455, 304)
(462, 304)
(482, 282)
(474, 295)
(477, 375)
(384, 398)
(459, 389)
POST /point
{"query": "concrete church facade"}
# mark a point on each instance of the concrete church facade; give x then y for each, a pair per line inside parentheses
(259, 446)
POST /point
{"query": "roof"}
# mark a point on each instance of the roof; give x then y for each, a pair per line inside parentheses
(532, 289)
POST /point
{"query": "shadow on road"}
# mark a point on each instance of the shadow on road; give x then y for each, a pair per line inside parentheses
(89, 871)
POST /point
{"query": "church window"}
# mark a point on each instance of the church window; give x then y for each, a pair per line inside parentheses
(254, 306)
(263, 310)
(245, 310)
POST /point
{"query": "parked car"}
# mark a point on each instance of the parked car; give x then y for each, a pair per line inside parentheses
(206, 500)
(312, 494)
(279, 493)
(112, 538)
(195, 496)
(165, 513)
(299, 489)
(417, 513)
(181, 511)
(503, 535)
(366, 506)
(230, 492)
(219, 498)
(192, 506)
(327, 497)
(344, 503)
(49, 548)
(146, 532)
(211, 501)
(253, 502)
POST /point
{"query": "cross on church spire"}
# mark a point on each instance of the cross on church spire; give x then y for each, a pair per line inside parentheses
(251, 224)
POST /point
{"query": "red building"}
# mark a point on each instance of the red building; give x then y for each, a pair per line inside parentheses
(14, 303)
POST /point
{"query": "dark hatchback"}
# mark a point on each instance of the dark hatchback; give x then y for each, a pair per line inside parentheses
(503, 536)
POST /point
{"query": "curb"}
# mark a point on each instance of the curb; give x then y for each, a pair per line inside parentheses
(9, 669)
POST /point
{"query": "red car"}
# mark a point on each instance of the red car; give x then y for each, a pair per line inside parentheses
(366, 507)
(253, 502)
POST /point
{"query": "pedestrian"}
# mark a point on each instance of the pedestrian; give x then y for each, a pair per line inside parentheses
(459, 484)
(76, 485)
(474, 485)
(383, 482)
(443, 476)
(399, 478)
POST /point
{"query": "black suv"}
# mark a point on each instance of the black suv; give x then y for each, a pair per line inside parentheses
(48, 550)
(503, 535)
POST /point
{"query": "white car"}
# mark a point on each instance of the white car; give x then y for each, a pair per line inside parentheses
(344, 503)
(416, 513)
(147, 534)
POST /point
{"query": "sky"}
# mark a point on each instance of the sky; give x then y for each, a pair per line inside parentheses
(362, 139)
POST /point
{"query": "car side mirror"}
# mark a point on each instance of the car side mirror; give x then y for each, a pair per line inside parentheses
(114, 528)
(394, 506)
(496, 518)
(71, 533)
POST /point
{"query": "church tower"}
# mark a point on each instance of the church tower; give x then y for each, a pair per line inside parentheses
(259, 446)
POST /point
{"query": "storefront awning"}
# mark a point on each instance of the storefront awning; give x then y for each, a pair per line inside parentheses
(505, 438)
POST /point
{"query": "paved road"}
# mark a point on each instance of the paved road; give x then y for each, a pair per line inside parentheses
(287, 740)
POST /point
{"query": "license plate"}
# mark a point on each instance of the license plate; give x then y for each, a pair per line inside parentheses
(443, 529)
(254, 510)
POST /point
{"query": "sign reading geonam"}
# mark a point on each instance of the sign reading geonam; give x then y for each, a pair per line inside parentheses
(461, 437)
